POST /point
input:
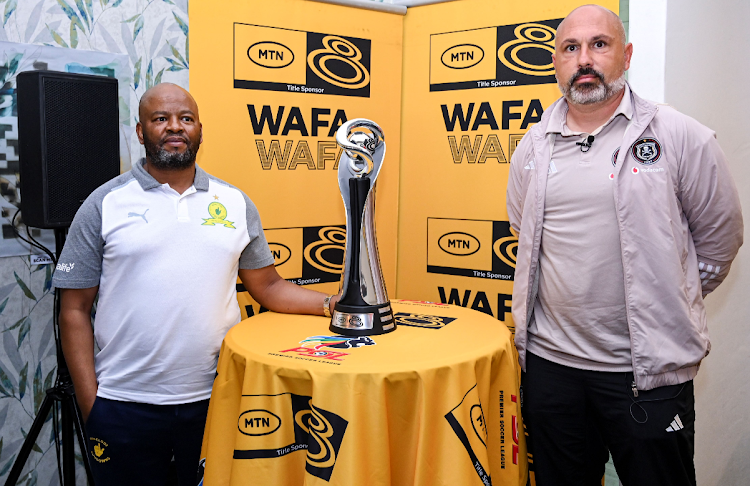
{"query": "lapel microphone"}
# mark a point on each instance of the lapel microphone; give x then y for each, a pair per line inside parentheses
(586, 144)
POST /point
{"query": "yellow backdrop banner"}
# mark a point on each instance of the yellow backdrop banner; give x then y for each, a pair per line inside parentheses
(477, 75)
(274, 80)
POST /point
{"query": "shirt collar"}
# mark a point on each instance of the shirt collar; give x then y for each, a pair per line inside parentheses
(560, 112)
(147, 181)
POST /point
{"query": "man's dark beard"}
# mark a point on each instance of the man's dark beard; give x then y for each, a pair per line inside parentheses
(165, 160)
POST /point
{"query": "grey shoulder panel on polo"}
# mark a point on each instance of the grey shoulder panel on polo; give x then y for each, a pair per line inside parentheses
(80, 263)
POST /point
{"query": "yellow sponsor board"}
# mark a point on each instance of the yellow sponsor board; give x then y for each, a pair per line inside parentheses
(477, 76)
(461, 123)
(274, 80)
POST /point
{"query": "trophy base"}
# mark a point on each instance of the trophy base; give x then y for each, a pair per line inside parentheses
(365, 320)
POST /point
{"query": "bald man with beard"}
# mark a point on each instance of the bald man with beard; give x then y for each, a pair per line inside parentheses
(627, 218)
(162, 246)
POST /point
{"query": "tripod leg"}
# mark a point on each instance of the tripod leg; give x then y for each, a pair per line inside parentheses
(68, 452)
(28, 444)
(71, 404)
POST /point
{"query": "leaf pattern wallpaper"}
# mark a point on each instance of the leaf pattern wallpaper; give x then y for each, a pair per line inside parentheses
(154, 36)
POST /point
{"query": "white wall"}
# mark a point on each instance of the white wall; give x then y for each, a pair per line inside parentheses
(706, 77)
(647, 31)
(693, 54)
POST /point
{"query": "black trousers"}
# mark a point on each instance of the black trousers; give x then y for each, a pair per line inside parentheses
(574, 417)
(133, 443)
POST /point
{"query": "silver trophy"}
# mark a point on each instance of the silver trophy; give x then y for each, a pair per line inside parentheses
(364, 308)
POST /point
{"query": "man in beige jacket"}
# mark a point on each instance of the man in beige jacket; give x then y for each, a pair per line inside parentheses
(627, 218)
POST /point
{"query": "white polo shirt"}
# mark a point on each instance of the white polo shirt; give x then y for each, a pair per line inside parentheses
(166, 266)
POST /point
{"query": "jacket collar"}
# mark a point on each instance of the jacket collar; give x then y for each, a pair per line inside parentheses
(643, 112)
(641, 108)
(147, 181)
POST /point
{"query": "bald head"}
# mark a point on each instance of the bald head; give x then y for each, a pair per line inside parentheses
(169, 127)
(165, 92)
(591, 56)
(592, 14)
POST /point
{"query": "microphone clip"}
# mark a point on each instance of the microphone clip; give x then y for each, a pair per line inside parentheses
(586, 144)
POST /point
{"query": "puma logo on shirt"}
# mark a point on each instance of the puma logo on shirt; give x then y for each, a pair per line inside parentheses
(133, 215)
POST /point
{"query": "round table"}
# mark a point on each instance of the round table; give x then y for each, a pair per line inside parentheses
(433, 403)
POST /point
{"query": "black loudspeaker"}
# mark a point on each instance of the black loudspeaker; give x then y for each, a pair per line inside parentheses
(68, 142)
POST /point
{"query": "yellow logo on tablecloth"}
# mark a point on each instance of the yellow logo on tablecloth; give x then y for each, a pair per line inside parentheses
(422, 320)
(468, 422)
(258, 422)
(218, 216)
(273, 426)
(312, 347)
(320, 430)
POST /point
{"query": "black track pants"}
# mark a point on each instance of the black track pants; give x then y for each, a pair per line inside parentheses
(133, 443)
(575, 416)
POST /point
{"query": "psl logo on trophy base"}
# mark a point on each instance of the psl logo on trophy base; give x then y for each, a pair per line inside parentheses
(276, 59)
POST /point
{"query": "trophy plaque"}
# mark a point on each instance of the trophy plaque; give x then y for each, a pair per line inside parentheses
(364, 308)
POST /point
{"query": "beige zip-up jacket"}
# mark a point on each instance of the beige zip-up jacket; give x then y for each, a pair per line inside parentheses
(680, 228)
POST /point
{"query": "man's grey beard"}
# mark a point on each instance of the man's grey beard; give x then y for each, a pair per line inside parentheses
(590, 93)
(165, 160)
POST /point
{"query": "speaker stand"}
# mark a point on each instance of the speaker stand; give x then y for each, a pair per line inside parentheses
(64, 395)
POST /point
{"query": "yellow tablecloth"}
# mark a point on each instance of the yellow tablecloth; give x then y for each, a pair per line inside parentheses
(433, 403)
